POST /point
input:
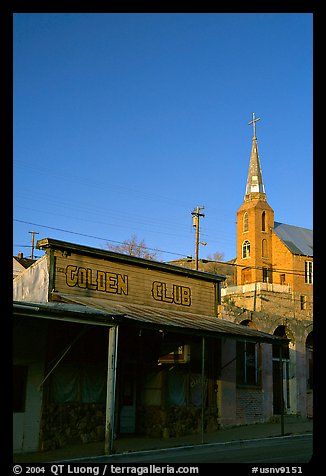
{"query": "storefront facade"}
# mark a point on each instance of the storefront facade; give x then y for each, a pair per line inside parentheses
(129, 346)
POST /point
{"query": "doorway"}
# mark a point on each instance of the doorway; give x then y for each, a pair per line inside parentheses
(279, 380)
(127, 420)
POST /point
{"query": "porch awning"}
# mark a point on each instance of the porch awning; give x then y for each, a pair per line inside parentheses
(171, 320)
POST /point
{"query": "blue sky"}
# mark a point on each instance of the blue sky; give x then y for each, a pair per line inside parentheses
(124, 123)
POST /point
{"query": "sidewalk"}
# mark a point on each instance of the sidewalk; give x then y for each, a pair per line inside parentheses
(293, 425)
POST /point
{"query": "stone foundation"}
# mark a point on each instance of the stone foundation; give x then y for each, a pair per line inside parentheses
(70, 423)
(66, 423)
(174, 421)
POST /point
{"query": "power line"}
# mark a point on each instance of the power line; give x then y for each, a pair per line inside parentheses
(125, 225)
(91, 236)
(275, 270)
(295, 272)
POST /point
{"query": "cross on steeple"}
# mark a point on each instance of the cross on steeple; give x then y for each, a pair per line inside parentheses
(254, 123)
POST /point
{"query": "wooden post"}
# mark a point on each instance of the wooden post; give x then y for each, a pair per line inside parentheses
(110, 390)
(202, 388)
(196, 214)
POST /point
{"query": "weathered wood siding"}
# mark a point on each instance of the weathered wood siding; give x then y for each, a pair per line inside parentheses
(33, 283)
(125, 283)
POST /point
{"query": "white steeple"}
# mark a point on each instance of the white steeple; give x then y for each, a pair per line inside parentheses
(255, 186)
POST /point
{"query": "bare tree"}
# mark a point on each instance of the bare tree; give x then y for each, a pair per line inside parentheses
(215, 264)
(217, 256)
(133, 247)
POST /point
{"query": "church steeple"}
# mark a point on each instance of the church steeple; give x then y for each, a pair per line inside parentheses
(255, 189)
(255, 221)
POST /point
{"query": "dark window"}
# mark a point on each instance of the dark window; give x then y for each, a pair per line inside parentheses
(79, 382)
(303, 302)
(281, 332)
(309, 272)
(245, 222)
(19, 382)
(266, 275)
(263, 221)
(247, 363)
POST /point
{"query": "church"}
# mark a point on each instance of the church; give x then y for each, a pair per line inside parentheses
(269, 287)
(273, 284)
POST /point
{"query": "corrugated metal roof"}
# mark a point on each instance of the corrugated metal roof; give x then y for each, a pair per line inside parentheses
(298, 240)
(172, 320)
(71, 312)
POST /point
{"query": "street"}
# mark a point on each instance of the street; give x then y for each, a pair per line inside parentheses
(289, 449)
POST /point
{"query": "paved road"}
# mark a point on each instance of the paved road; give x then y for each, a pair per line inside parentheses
(291, 449)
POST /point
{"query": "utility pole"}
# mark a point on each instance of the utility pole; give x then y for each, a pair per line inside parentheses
(33, 234)
(195, 222)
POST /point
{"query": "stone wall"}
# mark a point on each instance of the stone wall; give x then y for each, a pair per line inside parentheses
(284, 304)
(71, 423)
(155, 422)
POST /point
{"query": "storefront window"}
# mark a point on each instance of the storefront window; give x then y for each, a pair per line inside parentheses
(247, 363)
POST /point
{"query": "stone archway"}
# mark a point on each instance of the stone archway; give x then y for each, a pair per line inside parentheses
(248, 323)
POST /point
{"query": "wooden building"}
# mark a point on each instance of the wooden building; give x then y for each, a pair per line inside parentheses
(107, 344)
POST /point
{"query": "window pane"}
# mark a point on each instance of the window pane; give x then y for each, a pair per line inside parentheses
(246, 363)
(246, 249)
(309, 272)
(240, 363)
(251, 363)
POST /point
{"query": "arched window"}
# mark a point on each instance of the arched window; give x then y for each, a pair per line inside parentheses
(264, 248)
(246, 249)
(245, 222)
(263, 221)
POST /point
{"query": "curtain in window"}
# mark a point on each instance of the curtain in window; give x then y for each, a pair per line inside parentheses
(175, 387)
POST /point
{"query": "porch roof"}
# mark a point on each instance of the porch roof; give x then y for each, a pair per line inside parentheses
(103, 312)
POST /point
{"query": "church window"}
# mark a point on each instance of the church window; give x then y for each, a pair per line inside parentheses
(309, 272)
(282, 278)
(264, 249)
(267, 275)
(263, 221)
(245, 222)
(246, 249)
